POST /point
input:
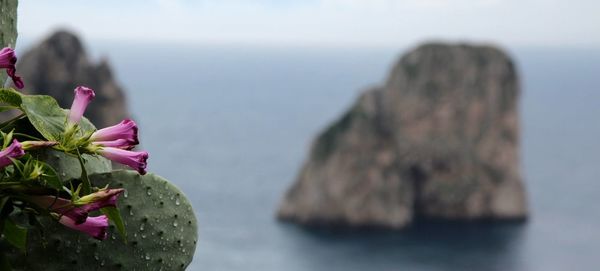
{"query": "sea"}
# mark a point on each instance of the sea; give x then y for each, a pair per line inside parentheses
(231, 126)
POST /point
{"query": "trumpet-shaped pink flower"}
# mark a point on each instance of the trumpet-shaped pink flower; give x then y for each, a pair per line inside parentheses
(133, 159)
(96, 226)
(78, 211)
(63, 207)
(123, 135)
(8, 59)
(83, 96)
(14, 150)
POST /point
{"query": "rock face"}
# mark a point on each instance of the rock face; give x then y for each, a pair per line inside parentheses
(439, 140)
(59, 64)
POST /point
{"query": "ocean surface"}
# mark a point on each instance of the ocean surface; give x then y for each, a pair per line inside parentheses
(231, 127)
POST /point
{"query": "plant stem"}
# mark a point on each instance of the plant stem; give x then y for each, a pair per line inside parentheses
(87, 186)
(28, 136)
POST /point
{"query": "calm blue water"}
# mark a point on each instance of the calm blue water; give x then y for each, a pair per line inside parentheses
(231, 127)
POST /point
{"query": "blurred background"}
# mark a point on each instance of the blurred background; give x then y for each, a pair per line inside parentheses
(230, 94)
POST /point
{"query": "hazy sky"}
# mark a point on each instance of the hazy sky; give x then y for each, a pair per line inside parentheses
(348, 23)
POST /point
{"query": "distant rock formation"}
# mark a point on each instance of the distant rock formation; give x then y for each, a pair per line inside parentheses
(59, 64)
(440, 140)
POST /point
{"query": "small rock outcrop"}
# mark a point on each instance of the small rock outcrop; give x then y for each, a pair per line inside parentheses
(439, 140)
(60, 63)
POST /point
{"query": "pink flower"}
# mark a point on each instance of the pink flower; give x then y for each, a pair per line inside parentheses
(133, 159)
(123, 135)
(96, 226)
(14, 150)
(83, 96)
(78, 211)
(8, 59)
(115, 143)
(64, 207)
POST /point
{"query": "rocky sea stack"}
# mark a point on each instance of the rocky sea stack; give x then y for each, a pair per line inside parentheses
(440, 140)
(59, 64)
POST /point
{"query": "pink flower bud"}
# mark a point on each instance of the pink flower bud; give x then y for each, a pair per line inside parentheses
(35, 145)
(100, 199)
(14, 150)
(83, 96)
(78, 211)
(63, 207)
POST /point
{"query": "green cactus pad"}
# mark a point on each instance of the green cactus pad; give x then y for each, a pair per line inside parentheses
(8, 28)
(68, 167)
(160, 224)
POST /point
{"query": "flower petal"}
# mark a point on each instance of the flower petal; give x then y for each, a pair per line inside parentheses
(125, 130)
(83, 96)
(96, 226)
(14, 150)
(133, 159)
(8, 59)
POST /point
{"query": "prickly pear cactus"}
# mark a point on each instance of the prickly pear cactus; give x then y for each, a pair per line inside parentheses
(8, 27)
(160, 224)
(68, 167)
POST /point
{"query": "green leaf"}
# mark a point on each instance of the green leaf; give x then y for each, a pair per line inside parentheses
(45, 115)
(15, 235)
(10, 97)
(4, 108)
(48, 118)
(115, 216)
(51, 176)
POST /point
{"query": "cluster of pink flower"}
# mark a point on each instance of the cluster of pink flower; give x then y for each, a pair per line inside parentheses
(114, 143)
